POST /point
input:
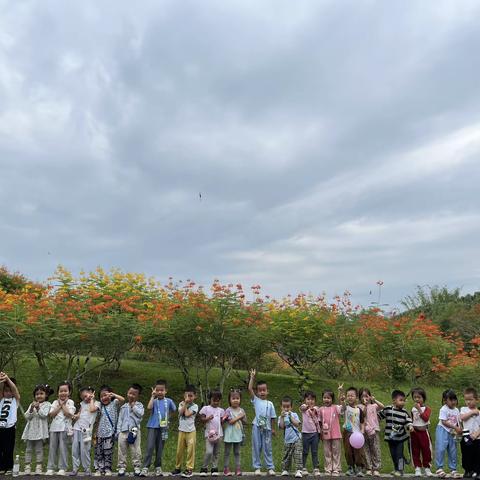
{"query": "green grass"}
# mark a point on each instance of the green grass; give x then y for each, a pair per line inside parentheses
(145, 373)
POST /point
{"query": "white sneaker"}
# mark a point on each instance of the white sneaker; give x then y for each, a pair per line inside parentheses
(271, 472)
(428, 472)
(97, 473)
(108, 473)
(298, 474)
(49, 472)
(144, 472)
(121, 472)
(27, 470)
(61, 473)
(38, 469)
(137, 471)
(418, 472)
(316, 472)
(257, 472)
(284, 473)
(158, 471)
(305, 471)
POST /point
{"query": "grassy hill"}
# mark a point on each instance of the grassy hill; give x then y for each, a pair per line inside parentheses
(145, 373)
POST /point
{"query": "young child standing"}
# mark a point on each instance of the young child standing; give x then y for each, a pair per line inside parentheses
(234, 421)
(470, 444)
(128, 429)
(421, 444)
(82, 430)
(157, 426)
(61, 413)
(187, 433)
(354, 421)
(106, 431)
(310, 430)
(9, 401)
(36, 428)
(263, 425)
(373, 455)
(398, 424)
(292, 448)
(211, 415)
(331, 433)
(447, 429)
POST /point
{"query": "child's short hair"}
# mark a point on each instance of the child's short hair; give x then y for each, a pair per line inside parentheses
(86, 389)
(398, 393)
(329, 393)
(137, 387)
(47, 389)
(161, 382)
(419, 391)
(65, 383)
(449, 395)
(106, 388)
(234, 391)
(215, 395)
(309, 394)
(471, 391)
(352, 389)
(261, 382)
(190, 389)
(287, 399)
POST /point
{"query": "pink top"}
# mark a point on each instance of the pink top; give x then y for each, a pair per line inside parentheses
(330, 422)
(372, 425)
(310, 419)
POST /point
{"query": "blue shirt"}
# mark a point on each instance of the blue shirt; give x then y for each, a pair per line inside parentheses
(130, 417)
(158, 412)
(292, 433)
(264, 412)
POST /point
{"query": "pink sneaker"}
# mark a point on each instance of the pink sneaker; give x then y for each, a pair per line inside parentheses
(226, 472)
(238, 472)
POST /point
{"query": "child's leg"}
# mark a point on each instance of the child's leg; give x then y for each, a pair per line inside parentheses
(8, 447)
(359, 457)
(416, 448)
(368, 451)
(85, 453)
(267, 449)
(425, 448)
(136, 451)
(328, 454)
(216, 451)
(63, 450)
(297, 455)
(76, 449)
(287, 456)
(476, 456)
(376, 453)
(28, 452)
(441, 444)
(53, 450)
(181, 446)
(314, 448)
(38, 451)
(236, 454)
(159, 442)
(108, 444)
(151, 441)
(122, 450)
(306, 438)
(336, 449)
(207, 458)
(257, 441)
(348, 449)
(98, 457)
(452, 453)
(191, 444)
(226, 454)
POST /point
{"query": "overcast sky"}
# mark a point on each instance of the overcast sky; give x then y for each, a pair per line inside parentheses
(334, 143)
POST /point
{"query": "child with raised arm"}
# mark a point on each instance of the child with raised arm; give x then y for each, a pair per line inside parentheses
(331, 433)
(398, 424)
(373, 454)
(448, 429)
(9, 401)
(187, 433)
(421, 443)
(292, 447)
(157, 427)
(234, 421)
(83, 429)
(61, 413)
(470, 444)
(211, 415)
(107, 430)
(310, 430)
(36, 428)
(263, 425)
(128, 429)
(354, 421)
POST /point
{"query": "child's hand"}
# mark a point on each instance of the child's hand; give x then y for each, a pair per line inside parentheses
(418, 407)
(458, 430)
(154, 393)
(340, 386)
(274, 432)
(284, 413)
(210, 417)
(373, 398)
(253, 372)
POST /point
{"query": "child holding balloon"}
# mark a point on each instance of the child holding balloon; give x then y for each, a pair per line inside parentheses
(331, 433)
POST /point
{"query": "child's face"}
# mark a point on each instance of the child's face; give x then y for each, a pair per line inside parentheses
(351, 397)
(86, 395)
(262, 391)
(327, 400)
(7, 393)
(40, 396)
(132, 395)
(286, 407)
(189, 397)
(417, 398)
(470, 400)
(235, 400)
(105, 397)
(399, 402)
(310, 401)
(160, 391)
(366, 398)
(215, 402)
(451, 402)
(63, 392)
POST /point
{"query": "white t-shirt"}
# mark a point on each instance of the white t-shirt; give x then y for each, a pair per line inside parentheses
(60, 422)
(86, 418)
(187, 424)
(8, 412)
(472, 423)
(417, 420)
(449, 414)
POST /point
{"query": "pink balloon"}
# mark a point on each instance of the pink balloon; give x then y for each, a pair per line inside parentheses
(357, 440)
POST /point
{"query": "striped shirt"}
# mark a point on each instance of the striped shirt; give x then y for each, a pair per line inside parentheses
(397, 421)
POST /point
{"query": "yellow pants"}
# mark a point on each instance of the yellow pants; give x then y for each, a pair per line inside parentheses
(186, 441)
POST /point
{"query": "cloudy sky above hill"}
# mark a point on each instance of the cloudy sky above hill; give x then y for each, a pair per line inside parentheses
(334, 143)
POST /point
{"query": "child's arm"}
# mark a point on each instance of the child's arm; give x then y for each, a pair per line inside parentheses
(152, 399)
(251, 381)
(425, 416)
(30, 413)
(303, 407)
(471, 413)
(93, 407)
(182, 406)
(69, 412)
(379, 405)
(203, 417)
(44, 410)
(408, 423)
(121, 400)
(295, 420)
(274, 432)
(13, 387)
(281, 421)
(362, 420)
(137, 410)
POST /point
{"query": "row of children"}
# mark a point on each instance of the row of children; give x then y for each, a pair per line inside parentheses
(114, 419)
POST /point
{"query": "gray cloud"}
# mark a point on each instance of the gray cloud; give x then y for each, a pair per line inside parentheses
(334, 143)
